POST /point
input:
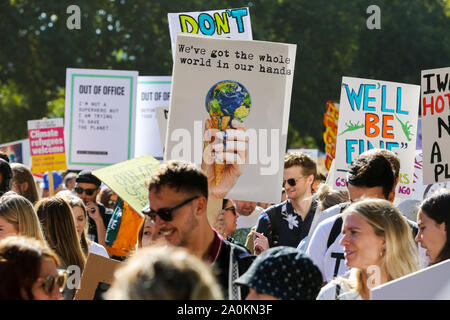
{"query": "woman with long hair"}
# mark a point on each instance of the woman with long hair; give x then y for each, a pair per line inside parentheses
(23, 182)
(17, 217)
(81, 223)
(433, 220)
(59, 228)
(378, 247)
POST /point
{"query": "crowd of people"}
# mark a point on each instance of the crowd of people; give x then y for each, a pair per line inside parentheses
(318, 243)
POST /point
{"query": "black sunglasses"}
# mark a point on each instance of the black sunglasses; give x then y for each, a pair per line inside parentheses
(292, 182)
(89, 192)
(163, 213)
(50, 282)
(232, 208)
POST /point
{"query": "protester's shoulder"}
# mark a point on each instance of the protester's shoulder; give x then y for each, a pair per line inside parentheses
(273, 209)
(258, 210)
(328, 222)
(328, 292)
(239, 250)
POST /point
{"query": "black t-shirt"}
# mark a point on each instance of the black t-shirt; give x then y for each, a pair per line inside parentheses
(283, 226)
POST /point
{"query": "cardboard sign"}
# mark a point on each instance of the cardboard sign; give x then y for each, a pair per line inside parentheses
(330, 121)
(432, 283)
(47, 145)
(229, 112)
(377, 114)
(128, 179)
(162, 115)
(98, 275)
(152, 92)
(18, 151)
(436, 124)
(225, 23)
(100, 117)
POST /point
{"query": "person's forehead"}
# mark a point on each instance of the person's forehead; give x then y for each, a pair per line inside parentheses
(293, 171)
(87, 185)
(353, 219)
(165, 197)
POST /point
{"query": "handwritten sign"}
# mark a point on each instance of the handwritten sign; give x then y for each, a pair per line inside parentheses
(377, 114)
(225, 23)
(100, 117)
(47, 145)
(152, 92)
(436, 125)
(128, 179)
(330, 121)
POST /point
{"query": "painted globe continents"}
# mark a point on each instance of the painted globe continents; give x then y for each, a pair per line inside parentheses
(227, 100)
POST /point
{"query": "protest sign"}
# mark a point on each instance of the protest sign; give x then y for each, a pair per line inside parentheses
(225, 23)
(17, 151)
(98, 275)
(377, 114)
(162, 115)
(432, 283)
(152, 92)
(330, 121)
(47, 150)
(240, 102)
(100, 117)
(436, 124)
(128, 179)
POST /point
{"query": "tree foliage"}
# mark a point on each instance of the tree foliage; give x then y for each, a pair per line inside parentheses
(331, 36)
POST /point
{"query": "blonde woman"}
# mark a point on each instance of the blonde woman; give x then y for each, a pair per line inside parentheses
(59, 228)
(378, 248)
(23, 182)
(164, 273)
(17, 217)
(81, 223)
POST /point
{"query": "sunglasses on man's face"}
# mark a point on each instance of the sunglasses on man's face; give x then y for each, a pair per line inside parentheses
(164, 213)
(292, 182)
(51, 281)
(89, 192)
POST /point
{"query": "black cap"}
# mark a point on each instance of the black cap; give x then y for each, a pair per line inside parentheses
(86, 176)
(285, 273)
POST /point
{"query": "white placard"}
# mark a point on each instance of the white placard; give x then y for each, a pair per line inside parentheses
(18, 151)
(436, 125)
(240, 84)
(152, 93)
(432, 283)
(377, 114)
(223, 23)
(100, 117)
(162, 115)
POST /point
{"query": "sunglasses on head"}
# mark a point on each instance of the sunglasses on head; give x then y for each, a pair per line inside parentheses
(51, 281)
(80, 190)
(164, 213)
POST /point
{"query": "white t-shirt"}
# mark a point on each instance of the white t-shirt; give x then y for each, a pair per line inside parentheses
(331, 261)
(98, 249)
(245, 222)
(328, 292)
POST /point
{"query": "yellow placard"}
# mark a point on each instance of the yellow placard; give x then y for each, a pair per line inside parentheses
(48, 162)
(128, 179)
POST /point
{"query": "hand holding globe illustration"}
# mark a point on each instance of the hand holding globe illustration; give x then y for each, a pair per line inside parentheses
(225, 148)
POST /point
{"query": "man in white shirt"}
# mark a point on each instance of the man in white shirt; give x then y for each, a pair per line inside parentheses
(371, 174)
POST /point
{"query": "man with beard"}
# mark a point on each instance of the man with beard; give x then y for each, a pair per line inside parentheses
(178, 196)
